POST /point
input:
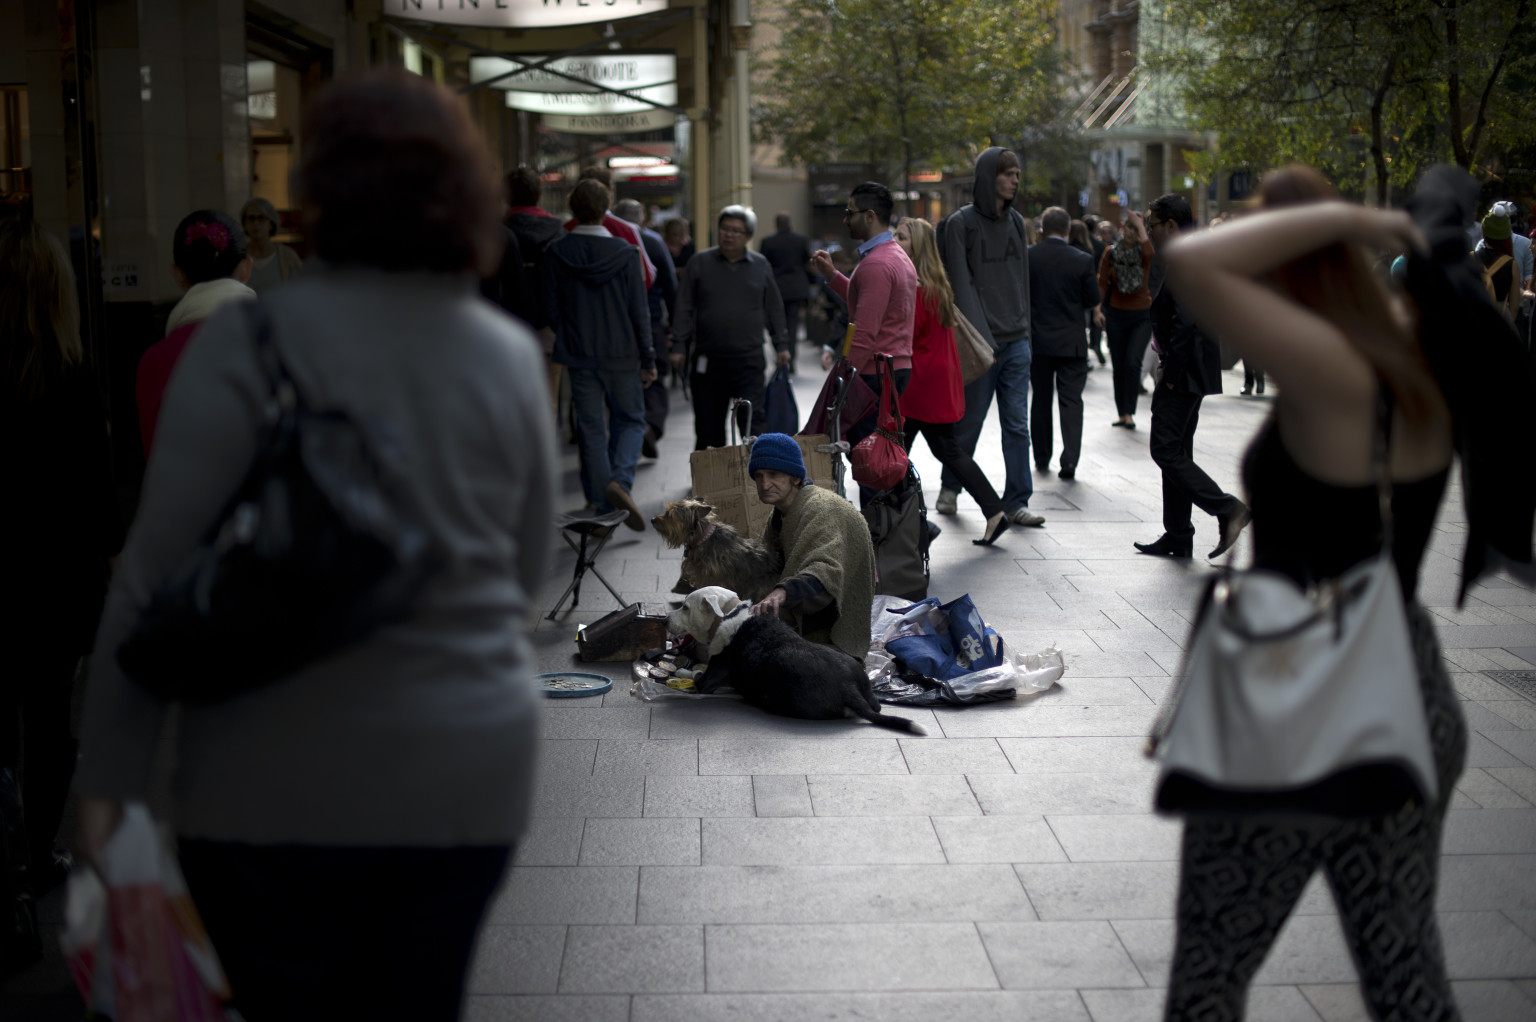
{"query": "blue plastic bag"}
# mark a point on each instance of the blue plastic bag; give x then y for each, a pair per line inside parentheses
(780, 412)
(943, 642)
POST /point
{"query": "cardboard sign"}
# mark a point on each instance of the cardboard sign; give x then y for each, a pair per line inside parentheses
(720, 477)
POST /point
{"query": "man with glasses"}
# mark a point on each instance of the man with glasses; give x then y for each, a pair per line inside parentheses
(1189, 370)
(727, 300)
(881, 296)
(984, 247)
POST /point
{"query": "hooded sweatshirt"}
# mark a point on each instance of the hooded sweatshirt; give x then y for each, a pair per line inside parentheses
(534, 229)
(984, 255)
(596, 304)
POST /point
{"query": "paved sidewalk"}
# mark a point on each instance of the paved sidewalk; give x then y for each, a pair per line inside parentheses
(706, 861)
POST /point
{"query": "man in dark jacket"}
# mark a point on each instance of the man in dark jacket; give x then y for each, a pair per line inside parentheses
(790, 255)
(984, 249)
(728, 301)
(660, 297)
(596, 305)
(1190, 368)
(1062, 288)
(533, 229)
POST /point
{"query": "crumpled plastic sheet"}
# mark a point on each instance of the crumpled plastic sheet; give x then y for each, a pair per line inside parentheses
(1027, 673)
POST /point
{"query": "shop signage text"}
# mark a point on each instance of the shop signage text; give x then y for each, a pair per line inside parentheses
(520, 13)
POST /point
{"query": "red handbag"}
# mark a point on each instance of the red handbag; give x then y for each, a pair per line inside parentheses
(880, 459)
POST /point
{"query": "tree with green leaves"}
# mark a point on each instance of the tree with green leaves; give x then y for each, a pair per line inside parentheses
(1369, 91)
(906, 83)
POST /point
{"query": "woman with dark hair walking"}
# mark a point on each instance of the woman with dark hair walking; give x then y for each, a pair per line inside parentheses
(343, 828)
(1127, 309)
(1293, 287)
(61, 525)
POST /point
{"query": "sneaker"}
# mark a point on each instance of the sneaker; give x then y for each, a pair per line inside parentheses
(619, 497)
(948, 502)
(1024, 516)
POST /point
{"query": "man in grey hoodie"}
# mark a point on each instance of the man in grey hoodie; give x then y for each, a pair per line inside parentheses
(985, 254)
(595, 300)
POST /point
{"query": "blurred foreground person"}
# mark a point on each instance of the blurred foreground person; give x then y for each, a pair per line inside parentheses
(343, 828)
(61, 524)
(212, 266)
(1294, 289)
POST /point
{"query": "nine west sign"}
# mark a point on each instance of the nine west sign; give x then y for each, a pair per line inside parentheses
(520, 13)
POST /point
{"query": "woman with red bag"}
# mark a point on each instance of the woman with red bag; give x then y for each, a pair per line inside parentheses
(935, 396)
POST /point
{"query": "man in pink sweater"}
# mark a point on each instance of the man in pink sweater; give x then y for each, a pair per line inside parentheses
(881, 295)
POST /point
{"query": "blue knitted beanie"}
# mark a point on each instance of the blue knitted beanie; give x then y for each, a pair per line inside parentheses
(779, 452)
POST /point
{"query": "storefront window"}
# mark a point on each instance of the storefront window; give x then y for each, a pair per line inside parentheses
(273, 101)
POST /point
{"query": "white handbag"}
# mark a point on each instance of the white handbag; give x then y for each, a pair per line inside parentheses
(1299, 700)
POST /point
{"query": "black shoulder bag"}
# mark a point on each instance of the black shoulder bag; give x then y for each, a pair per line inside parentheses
(317, 548)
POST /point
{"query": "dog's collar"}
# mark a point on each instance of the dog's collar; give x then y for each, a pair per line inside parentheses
(720, 636)
(708, 532)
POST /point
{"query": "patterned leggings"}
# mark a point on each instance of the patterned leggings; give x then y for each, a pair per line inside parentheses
(1240, 878)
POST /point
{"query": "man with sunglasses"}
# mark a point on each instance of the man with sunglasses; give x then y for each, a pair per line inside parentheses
(881, 297)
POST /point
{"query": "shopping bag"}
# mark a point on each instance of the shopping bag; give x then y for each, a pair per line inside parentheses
(948, 641)
(133, 939)
(975, 351)
(880, 460)
(779, 408)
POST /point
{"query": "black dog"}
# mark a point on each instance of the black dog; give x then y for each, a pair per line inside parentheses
(775, 669)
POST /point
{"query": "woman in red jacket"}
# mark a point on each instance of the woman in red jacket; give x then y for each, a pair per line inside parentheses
(935, 396)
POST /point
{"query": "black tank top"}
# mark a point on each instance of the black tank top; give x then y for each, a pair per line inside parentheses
(1311, 530)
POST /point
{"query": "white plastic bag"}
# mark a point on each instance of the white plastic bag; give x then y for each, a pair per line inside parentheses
(1026, 673)
(133, 939)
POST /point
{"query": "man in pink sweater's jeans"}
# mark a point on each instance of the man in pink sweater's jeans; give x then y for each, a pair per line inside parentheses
(881, 297)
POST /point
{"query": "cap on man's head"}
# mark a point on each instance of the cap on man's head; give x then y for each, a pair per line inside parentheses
(1496, 227)
(777, 452)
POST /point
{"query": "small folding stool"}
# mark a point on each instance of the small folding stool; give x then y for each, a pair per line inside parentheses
(596, 530)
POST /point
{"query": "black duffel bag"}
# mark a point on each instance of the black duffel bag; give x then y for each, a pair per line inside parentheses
(898, 528)
(317, 548)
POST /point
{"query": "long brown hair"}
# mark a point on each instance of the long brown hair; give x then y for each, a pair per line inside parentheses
(930, 269)
(39, 310)
(1337, 281)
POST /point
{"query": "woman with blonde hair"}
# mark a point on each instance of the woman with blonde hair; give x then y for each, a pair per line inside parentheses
(1292, 286)
(935, 396)
(61, 523)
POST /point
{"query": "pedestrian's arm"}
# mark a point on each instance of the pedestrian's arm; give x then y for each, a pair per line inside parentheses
(1090, 287)
(640, 320)
(1216, 276)
(550, 284)
(1106, 271)
(683, 321)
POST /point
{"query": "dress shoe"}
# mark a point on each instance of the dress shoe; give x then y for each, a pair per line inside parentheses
(1067, 473)
(1024, 516)
(1246, 391)
(619, 497)
(1231, 526)
(947, 502)
(996, 526)
(1260, 388)
(1043, 467)
(1166, 546)
(648, 443)
(935, 530)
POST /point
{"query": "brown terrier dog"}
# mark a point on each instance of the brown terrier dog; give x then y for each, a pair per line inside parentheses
(714, 554)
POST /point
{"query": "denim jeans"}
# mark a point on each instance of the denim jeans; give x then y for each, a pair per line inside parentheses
(1009, 380)
(609, 451)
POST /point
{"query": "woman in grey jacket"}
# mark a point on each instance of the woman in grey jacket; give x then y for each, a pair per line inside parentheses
(342, 829)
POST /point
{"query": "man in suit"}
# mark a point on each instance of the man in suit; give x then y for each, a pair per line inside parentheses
(1063, 288)
(789, 254)
(1190, 369)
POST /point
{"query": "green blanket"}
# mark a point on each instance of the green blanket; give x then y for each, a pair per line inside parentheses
(824, 536)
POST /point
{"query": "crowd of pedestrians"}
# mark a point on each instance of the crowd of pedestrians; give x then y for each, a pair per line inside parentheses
(297, 801)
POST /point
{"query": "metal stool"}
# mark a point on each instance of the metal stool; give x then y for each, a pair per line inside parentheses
(594, 529)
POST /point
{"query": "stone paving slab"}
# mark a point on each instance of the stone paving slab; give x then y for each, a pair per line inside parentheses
(698, 860)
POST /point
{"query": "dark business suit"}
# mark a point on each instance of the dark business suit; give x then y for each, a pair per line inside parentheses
(790, 254)
(1063, 287)
(1191, 369)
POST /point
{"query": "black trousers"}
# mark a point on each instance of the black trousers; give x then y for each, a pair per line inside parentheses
(1129, 332)
(942, 442)
(793, 308)
(1064, 375)
(723, 379)
(657, 405)
(35, 712)
(1175, 414)
(307, 932)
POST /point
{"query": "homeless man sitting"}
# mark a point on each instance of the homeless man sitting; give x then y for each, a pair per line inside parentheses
(828, 581)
